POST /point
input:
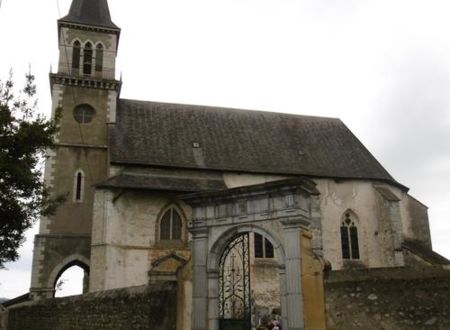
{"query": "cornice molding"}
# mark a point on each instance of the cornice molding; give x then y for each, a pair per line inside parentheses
(84, 82)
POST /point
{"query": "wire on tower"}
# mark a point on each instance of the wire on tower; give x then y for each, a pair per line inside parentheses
(58, 8)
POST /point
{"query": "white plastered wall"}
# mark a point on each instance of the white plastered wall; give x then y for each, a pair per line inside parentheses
(124, 233)
(124, 230)
(362, 198)
(233, 180)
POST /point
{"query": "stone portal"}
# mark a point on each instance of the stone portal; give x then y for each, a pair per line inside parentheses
(275, 212)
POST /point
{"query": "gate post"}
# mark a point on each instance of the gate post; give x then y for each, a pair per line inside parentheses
(213, 302)
(294, 291)
(283, 295)
(200, 278)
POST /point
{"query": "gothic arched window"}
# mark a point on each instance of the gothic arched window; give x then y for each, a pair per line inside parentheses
(78, 186)
(76, 53)
(99, 58)
(349, 237)
(87, 59)
(171, 225)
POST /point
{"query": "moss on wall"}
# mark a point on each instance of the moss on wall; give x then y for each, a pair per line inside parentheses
(388, 299)
(152, 307)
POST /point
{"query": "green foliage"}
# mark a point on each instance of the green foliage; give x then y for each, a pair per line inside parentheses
(24, 138)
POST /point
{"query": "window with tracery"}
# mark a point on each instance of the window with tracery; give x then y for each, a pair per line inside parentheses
(87, 59)
(171, 226)
(263, 247)
(349, 237)
(99, 58)
(76, 53)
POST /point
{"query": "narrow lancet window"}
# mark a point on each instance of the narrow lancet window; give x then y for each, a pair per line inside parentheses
(99, 58)
(176, 226)
(78, 187)
(78, 192)
(349, 237)
(76, 53)
(87, 59)
(259, 251)
(165, 227)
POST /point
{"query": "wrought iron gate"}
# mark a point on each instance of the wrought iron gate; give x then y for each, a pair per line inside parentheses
(234, 285)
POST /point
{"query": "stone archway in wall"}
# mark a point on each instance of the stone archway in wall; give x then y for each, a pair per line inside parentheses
(68, 262)
(247, 314)
(278, 211)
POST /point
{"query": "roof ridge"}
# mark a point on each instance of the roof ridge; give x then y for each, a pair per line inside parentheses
(213, 107)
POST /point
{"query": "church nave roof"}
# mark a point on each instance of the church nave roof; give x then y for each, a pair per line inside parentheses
(201, 137)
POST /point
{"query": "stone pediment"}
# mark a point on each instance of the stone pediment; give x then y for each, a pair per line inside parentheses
(166, 268)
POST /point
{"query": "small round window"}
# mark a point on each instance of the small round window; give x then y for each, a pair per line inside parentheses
(84, 113)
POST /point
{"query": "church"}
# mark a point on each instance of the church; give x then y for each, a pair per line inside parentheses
(247, 211)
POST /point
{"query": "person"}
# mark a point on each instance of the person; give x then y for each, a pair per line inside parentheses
(275, 325)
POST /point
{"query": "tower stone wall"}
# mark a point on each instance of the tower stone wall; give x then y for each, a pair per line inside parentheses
(85, 91)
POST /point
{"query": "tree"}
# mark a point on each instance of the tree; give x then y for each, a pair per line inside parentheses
(24, 138)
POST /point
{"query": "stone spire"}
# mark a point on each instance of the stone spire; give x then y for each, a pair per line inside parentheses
(90, 12)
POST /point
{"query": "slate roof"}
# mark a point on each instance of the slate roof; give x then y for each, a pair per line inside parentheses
(268, 187)
(90, 12)
(163, 183)
(425, 253)
(190, 136)
(17, 300)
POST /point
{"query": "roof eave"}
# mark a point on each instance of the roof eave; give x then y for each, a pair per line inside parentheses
(286, 173)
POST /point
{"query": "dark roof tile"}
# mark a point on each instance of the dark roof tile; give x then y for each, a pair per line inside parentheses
(127, 181)
(162, 134)
(90, 12)
(425, 253)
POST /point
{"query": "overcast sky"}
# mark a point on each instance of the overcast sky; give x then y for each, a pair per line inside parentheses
(383, 67)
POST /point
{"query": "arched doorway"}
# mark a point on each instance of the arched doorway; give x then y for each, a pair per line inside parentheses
(249, 283)
(71, 282)
(277, 211)
(234, 285)
(70, 276)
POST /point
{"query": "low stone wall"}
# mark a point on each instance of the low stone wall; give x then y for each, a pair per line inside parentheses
(149, 307)
(388, 299)
(3, 318)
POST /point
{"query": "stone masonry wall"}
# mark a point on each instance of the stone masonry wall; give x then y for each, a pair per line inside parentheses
(152, 307)
(388, 299)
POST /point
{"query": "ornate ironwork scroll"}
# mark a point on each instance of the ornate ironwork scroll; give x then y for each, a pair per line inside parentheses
(234, 281)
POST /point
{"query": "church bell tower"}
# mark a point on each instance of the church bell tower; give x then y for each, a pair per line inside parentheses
(86, 91)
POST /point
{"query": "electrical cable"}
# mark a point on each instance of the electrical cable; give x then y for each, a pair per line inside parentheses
(74, 97)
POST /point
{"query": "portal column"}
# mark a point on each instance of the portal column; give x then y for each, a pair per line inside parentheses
(199, 278)
(283, 295)
(294, 291)
(213, 301)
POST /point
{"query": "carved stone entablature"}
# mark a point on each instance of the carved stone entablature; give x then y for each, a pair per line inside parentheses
(285, 199)
(87, 82)
(93, 28)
